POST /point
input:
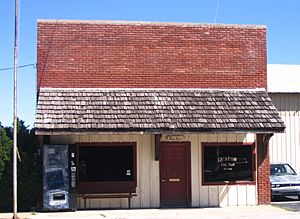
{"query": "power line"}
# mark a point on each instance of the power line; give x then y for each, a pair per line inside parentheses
(217, 11)
(20, 66)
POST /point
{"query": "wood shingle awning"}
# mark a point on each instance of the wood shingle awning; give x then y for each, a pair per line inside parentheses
(155, 110)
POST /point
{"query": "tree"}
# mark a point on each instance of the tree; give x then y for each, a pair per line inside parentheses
(29, 174)
(5, 174)
(5, 146)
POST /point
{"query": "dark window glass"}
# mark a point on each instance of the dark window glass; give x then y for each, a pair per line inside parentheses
(281, 170)
(106, 163)
(228, 163)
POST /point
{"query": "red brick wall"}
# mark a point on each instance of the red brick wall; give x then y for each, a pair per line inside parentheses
(161, 55)
(263, 172)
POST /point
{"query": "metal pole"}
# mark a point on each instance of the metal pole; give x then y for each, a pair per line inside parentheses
(15, 194)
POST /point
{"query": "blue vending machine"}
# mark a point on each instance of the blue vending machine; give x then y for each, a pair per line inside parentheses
(59, 177)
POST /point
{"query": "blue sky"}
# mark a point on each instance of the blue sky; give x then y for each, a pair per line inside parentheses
(281, 17)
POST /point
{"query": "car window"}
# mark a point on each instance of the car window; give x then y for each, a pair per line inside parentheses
(289, 170)
(281, 169)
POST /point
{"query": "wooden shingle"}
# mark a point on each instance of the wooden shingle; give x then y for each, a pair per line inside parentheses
(156, 110)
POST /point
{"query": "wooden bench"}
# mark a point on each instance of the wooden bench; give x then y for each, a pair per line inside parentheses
(102, 196)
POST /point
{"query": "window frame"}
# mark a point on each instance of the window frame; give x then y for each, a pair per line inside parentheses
(237, 182)
(108, 186)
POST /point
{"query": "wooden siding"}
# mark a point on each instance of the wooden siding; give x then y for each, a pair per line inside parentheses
(225, 195)
(148, 172)
(285, 147)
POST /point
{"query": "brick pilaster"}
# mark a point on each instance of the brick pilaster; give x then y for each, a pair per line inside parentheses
(263, 172)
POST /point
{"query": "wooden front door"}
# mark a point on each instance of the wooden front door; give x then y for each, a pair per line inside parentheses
(175, 174)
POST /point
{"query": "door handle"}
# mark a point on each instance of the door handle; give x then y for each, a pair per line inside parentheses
(174, 180)
(163, 180)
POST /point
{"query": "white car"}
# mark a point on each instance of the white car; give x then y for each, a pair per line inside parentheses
(284, 180)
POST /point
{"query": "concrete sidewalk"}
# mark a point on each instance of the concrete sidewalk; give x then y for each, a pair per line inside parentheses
(245, 212)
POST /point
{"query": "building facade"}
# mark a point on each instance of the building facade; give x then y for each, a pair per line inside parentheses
(175, 113)
(283, 88)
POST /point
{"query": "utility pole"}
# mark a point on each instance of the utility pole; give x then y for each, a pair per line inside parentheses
(15, 194)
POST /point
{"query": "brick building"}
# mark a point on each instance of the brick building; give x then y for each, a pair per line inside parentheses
(176, 114)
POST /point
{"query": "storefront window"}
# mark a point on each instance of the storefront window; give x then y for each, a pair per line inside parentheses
(107, 167)
(228, 163)
(106, 163)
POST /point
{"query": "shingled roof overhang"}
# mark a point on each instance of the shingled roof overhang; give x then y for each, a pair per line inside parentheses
(155, 111)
